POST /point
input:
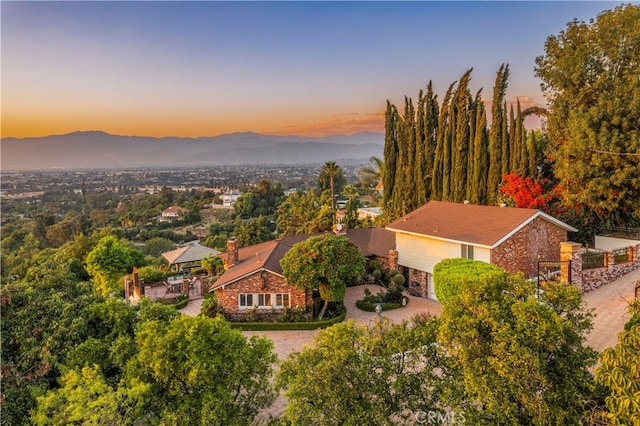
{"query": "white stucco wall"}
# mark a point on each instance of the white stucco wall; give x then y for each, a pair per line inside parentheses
(423, 253)
(612, 243)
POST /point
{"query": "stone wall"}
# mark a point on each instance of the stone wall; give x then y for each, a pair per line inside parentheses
(255, 283)
(590, 279)
(417, 284)
(538, 240)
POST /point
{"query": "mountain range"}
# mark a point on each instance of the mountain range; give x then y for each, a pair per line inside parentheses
(100, 150)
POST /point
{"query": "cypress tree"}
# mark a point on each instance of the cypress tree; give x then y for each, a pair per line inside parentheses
(495, 135)
(420, 161)
(437, 178)
(431, 111)
(409, 130)
(474, 116)
(506, 149)
(521, 143)
(460, 140)
(533, 166)
(478, 193)
(514, 152)
(390, 159)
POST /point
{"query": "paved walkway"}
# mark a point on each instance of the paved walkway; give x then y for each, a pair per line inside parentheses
(609, 304)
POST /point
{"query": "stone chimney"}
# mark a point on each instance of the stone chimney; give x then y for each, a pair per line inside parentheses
(393, 259)
(232, 252)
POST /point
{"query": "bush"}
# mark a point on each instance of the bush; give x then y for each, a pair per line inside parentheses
(211, 307)
(451, 276)
(399, 280)
(368, 306)
(151, 274)
(308, 325)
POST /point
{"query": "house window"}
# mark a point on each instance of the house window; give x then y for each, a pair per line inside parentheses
(282, 300)
(466, 251)
(245, 300)
(263, 300)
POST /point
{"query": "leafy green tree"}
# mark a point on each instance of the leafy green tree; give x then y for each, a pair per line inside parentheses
(253, 232)
(589, 72)
(304, 214)
(355, 375)
(514, 358)
(326, 263)
(214, 265)
(85, 398)
(157, 245)
(619, 372)
(203, 371)
(109, 260)
(43, 318)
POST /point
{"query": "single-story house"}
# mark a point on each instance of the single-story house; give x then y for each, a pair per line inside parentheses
(368, 212)
(513, 238)
(187, 256)
(173, 213)
(253, 276)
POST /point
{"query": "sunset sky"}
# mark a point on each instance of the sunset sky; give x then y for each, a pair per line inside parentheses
(305, 68)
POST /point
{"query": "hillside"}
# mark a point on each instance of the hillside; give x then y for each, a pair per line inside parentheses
(103, 150)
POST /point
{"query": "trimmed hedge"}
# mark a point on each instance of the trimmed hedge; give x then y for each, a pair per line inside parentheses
(451, 276)
(308, 325)
(366, 306)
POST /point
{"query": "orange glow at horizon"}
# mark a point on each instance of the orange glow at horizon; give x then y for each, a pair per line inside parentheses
(186, 125)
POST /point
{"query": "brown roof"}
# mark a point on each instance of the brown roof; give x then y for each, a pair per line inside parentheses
(189, 253)
(267, 256)
(175, 209)
(468, 223)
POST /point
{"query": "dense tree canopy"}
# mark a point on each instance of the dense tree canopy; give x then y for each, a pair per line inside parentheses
(513, 358)
(356, 375)
(109, 260)
(326, 263)
(589, 72)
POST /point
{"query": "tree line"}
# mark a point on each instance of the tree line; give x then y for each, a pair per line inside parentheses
(585, 160)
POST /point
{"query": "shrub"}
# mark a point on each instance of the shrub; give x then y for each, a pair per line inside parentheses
(399, 280)
(377, 274)
(151, 274)
(393, 272)
(211, 307)
(450, 276)
(307, 325)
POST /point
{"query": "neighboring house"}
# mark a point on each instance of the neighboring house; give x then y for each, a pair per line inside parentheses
(188, 256)
(368, 212)
(173, 213)
(229, 199)
(253, 276)
(512, 238)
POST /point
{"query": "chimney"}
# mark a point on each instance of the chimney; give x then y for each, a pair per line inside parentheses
(232, 252)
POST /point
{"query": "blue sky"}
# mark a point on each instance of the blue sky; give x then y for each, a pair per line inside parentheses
(206, 68)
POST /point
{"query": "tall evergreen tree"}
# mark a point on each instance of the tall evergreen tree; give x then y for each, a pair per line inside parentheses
(420, 160)
(495, 135)
(431, 111)
(506, 149)
(437, 180)
(480, 164)
(390, 158)
(460, 147)
(531, 150)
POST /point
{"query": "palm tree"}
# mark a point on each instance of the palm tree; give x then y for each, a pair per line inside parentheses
(331, 169)
(372, 174)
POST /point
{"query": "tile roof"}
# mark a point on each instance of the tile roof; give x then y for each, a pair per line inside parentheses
(175, 209)
(188, 253)
(267, 256)
(468, 223)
